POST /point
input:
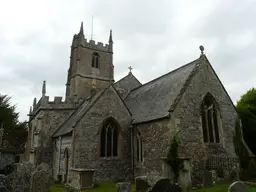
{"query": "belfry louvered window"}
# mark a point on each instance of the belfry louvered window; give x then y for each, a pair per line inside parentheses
(95, 60)
(109, 138)
(210, 119)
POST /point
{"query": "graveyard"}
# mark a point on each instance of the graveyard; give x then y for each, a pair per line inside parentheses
(111, 187)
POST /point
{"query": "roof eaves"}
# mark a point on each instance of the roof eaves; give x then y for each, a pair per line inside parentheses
(151, 120)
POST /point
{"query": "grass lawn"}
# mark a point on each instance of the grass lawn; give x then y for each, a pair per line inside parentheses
(221, 188)
(104, 187)
(111, 187)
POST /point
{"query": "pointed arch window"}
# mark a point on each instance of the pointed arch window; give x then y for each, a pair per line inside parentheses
(95, 60)
(139, 147)
(210, 118)
(109, 138)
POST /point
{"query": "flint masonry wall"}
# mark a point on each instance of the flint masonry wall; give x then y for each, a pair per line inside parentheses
(87, 139)
(155, 137)
(47, 116)
(188, 113)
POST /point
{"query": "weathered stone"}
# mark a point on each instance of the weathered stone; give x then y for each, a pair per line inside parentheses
(20, 177)
(41, 178)
(238, 186)
(5, 184)
(123, 187)
(185, 180)
(165, 185)
(207, 179)
(157, 110)
(141, 184)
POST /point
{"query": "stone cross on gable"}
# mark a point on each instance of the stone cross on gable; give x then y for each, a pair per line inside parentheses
(130, 68)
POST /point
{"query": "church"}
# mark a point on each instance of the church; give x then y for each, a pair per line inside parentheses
(118, 130)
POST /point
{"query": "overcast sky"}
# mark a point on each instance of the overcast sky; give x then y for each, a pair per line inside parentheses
(152, 36)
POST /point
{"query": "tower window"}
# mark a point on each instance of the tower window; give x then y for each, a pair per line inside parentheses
(95, 60)
(210, 117)
(109, 138)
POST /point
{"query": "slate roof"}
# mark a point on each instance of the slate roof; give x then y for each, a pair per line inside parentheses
(128, 82)
(75, 117)
(154, 99)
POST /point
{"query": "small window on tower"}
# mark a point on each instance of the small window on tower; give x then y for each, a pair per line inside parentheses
(95, 60)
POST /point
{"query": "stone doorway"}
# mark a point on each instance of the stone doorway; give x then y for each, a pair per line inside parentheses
(65, 165)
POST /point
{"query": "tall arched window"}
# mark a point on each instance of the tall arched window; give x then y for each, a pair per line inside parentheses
(210, 117)
(95, 60)
(109, 138)
(139, 147)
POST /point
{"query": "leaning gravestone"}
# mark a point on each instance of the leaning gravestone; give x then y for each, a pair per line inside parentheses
(4, 184)
(165, 185)
(238, 186)
(123, 187)
(207, 179)
(141, 184)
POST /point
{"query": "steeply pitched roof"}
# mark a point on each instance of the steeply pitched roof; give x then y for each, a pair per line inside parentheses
(154, 99)
(128, 83)
(73, 119)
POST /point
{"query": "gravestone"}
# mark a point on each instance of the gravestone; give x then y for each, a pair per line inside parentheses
(207, 179)
(20, 177)
(165, 185)
(141, 184)
(238, 186)
(41, 178)
(4, 184)
(123, 187)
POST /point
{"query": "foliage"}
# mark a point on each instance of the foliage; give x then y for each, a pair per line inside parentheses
(8, 115)
(240, 149)
(246, 108)
(173, 158)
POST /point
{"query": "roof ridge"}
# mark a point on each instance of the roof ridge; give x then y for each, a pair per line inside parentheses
(165, 75)
(127, 76)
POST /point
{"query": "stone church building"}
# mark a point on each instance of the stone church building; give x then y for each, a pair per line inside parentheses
(121, 130)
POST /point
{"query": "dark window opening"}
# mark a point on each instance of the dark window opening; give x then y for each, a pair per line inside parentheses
(95, 60)
(209, 115)
(109, 139)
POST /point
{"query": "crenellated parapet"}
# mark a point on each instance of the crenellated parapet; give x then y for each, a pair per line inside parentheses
(56, 104)
(91, 44)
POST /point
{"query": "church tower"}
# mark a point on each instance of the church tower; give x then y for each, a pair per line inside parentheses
(91, 66)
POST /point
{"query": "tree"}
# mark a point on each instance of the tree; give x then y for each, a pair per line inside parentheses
(8, 115)
(246, 108)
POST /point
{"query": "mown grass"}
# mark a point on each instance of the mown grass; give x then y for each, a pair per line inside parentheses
(103, 187)
(221, 188)
(111, 187)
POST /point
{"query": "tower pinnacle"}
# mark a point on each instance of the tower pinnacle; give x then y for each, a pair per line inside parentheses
(44, 89)
(110, 37)
(81, 32)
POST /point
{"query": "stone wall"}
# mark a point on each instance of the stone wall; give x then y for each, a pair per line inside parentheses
(43, 125)
(188, 115)
(59, 159)
(86, 147)
(155, 137)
